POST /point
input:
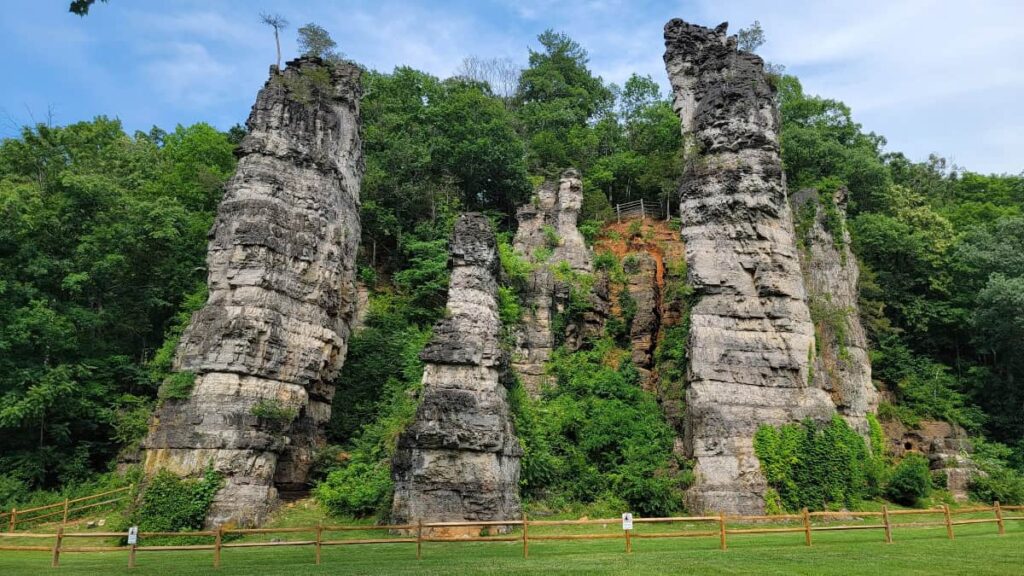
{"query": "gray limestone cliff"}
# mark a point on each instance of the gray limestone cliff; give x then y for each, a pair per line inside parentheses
(459, 459)
(751, 337)
(547, 236)
(264, 349)
(841, 364)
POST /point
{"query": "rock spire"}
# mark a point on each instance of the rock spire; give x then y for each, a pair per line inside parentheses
(459, 459)
(263, 351)
(751, 338)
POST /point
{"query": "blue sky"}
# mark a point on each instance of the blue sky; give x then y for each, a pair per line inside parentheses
(931, 76)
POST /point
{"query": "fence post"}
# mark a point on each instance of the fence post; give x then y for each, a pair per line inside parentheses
(643, 215)
(319, 539)
(888, 527)
(721, 531)
(949, 522)
(65, 520)
(807, 526)
(55, 562)
(526, 537)
(419, 539)
(131, 556)
(216, 546)
(618, 214)
(14, 514)
(999, 518)
(629, 542)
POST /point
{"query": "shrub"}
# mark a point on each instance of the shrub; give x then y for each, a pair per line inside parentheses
(509, 310)
(910, 482)
(514, 269)
(816, 465)
(551, 239)
(996, 480)
(596, 434)
(173, 504)
(274, 413)
(177, 386)
(357, 489)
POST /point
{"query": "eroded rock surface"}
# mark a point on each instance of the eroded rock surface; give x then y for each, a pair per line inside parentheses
(459, 459)
(841, 365)
(547, 237)
(265, 348)
(751, 337)
(641, 271)
(946, 446)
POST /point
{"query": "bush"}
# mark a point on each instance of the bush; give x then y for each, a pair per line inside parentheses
(910, 482)
(177, 386)
(996, 479)
(275, 414)
(357, 489)
(597, 433)
(173, 504)
(816, 465)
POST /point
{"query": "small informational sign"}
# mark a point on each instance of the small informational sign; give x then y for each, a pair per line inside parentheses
(627, 520)
(133, 535)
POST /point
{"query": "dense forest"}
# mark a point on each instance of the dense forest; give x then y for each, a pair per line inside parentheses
(103, 239)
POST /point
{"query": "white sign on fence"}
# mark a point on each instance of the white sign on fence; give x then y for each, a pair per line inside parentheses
(627, 520)
(133, 535)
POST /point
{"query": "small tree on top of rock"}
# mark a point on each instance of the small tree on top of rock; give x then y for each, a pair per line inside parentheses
(278, 23)
(750, 39)
(314, 40)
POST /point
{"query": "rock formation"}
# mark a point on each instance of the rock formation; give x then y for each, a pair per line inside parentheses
(548, 236)
(459, 459)
(946, 446)
(641, 271)
(751, 338)
(841, 365)
(264, 349)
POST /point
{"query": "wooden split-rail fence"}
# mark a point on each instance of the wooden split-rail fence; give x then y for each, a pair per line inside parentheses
(66, 509)
(426, 532)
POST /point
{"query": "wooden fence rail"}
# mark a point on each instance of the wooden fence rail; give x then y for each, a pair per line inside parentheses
(421, 532)
(67, 508)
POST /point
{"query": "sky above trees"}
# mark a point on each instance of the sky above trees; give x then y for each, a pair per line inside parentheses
(938, 76)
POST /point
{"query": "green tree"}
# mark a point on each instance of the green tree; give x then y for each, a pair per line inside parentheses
(314, 40)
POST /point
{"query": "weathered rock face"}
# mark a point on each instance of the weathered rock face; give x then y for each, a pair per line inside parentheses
(642, 284)
(751, 337)
(547, 235)
(841, 365)
(459, 459)
(946, 446)
(273, 333)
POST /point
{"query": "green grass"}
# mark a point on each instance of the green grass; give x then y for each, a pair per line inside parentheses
(976, 550)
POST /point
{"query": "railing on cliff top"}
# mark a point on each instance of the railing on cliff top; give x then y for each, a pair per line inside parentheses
(716, 527)
(641, 209)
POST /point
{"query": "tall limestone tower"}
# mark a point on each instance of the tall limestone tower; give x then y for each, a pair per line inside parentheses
(752, 340)
(263, 351)
(459, 458)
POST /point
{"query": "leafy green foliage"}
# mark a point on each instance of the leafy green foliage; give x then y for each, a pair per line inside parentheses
(358, 488)
(173, 504)
(997, 479)
(102, 239)
(177, 386)
(274, 413)
(910, 481)
(597, 433)
(817, 466)
(375, 401)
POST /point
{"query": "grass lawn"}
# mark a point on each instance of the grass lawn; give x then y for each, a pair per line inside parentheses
(976, 550)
